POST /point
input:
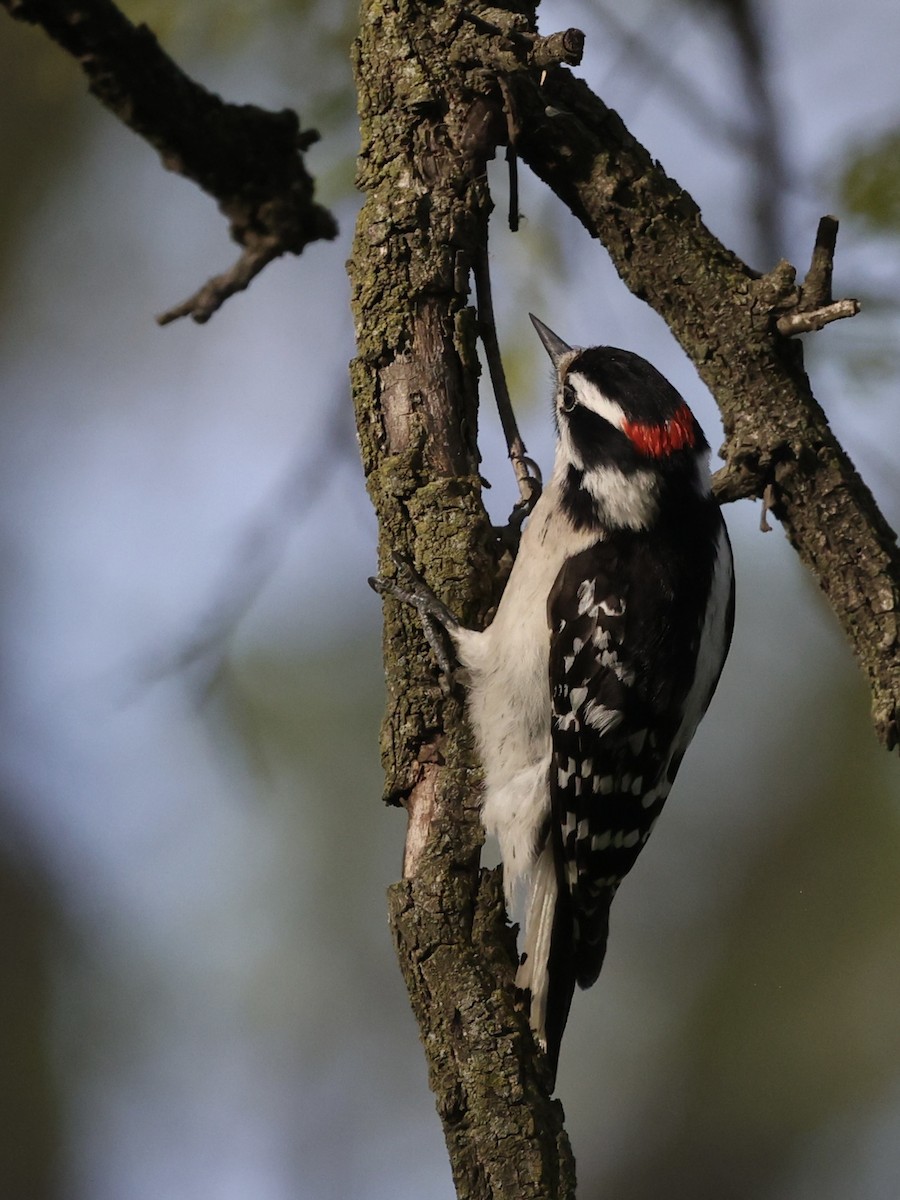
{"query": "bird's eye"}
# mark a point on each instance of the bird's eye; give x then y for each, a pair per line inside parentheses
(569, 399)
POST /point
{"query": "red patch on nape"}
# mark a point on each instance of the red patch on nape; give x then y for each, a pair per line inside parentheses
(658, 441)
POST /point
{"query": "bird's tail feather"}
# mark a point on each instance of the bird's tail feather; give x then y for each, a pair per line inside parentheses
(547, 969)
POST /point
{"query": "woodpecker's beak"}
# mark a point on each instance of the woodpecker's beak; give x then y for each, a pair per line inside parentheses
(554, 345)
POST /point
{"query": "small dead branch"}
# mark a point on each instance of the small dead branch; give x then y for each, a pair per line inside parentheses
(815, 307)
(248, 159)
(810, 322)
(558, 49)
(209, 298)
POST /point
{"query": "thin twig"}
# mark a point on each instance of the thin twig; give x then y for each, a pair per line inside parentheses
(768, 499)
(809, 322)
(527, 475)
(816, 308)
(657, 69)
(209, 298)
(512, 162)
(817, 284)
(512, 158)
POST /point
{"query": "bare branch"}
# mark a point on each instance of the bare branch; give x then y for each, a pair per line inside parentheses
(817, 284)
(526, 472)
(814, 307)
(248, 159)
(810, 322)
(725, 318)
(209, 298)
(558, 48)
(554, 50)
(659, 66)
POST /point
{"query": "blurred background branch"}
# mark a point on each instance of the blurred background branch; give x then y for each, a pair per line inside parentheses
(246, 158)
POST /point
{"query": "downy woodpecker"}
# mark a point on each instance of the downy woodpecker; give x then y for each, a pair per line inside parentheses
(607, 645)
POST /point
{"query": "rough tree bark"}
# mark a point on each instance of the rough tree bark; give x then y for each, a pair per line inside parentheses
(430, 119)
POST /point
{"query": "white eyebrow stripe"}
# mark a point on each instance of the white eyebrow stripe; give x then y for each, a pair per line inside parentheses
(591, 397)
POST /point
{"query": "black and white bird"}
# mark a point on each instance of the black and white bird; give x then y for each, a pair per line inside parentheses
(606, 648)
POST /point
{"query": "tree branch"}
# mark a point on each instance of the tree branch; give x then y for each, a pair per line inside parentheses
(726, 318)
(248, 159)
(525, 469)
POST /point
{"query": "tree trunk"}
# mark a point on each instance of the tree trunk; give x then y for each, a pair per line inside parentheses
(429, 122)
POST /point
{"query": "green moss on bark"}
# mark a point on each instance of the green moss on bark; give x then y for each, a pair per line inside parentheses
(427, 121)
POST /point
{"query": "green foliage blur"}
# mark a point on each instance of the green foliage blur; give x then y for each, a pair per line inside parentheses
(870, 182)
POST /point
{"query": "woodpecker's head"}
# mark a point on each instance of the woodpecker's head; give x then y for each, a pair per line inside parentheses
(625, 434)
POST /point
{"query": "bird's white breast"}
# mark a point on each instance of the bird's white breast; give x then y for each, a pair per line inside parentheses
(509, 692)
